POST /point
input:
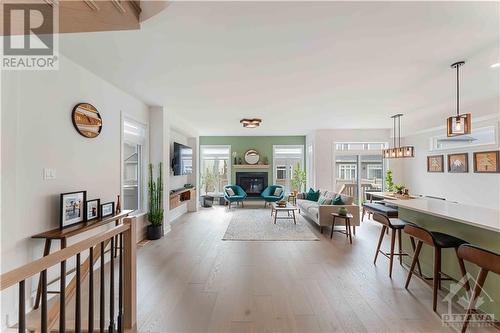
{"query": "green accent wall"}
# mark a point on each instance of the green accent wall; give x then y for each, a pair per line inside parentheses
(263, 144)
(449, 264)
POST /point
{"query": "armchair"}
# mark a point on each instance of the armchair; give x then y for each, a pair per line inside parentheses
(239, 195)
(268, 194)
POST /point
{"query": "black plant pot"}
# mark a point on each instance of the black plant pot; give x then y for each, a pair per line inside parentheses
(155, 232)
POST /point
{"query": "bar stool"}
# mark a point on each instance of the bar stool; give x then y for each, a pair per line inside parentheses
(487, 261)
(438, 241)
(395, 225)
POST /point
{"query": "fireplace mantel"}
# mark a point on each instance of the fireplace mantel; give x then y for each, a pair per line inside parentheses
(251, 166)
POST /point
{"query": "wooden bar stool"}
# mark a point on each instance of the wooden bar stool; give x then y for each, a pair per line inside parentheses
(438, 241)
(395, 225)
(487, 261)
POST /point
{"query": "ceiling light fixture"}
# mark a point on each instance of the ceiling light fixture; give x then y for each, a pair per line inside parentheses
(461, 123)
(398, 151)
(250, 123)
(495, 65)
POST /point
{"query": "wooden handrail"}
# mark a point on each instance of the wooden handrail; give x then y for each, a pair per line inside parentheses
(24, 272)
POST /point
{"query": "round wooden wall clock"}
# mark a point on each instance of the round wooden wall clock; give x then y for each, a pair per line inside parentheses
(87, 120)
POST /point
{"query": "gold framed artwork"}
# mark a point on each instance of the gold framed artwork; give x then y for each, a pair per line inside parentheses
(435, 163)
(458, 163)
(487, 161)
(87, 120)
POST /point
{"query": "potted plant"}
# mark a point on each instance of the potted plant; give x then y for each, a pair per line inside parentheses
(399, 188)
(155, 207)
(389, 183)
(298, 179)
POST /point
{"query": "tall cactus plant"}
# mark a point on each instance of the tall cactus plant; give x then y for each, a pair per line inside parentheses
(155, 188)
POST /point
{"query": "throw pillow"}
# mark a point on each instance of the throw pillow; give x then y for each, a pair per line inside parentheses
(278, 191)
(229, 191)
(324, 200)
(337, 200)
(312, 195)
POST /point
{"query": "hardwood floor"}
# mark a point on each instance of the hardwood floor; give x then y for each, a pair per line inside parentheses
(192, 281)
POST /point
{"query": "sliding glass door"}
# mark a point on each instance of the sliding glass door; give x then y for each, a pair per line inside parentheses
(359, 168)
(286, 158)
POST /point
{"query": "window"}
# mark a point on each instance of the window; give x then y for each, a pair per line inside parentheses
(347, 171)
(134, 139)
(346, 146)
(215, 170)
(478, 137)
(286, 158)
(374, 171)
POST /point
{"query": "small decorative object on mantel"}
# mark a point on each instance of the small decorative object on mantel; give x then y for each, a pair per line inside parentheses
(118, 205)
(87, 120)
(458, 163)
(235, 155)
(107, 209)
(92, 209)
(155, 207)
(435, 163)
(461, 123)
(487, 162)
(252, 157)
(72, 208)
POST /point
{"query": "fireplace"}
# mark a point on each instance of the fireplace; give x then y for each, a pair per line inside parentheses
(252, 182)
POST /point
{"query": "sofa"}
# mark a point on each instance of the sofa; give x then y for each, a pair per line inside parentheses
(320, 214)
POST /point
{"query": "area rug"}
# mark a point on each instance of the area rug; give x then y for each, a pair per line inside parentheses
(256, 224)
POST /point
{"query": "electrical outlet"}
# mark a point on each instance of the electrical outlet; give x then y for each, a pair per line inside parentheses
(49, 174)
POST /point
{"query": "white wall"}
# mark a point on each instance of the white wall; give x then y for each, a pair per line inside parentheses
(323, 141)
(37, 133)
(472, 188)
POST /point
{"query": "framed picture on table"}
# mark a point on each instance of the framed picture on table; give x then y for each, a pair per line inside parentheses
(72, 208)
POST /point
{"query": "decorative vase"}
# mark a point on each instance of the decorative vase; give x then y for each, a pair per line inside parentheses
(235, 161)
(154, 231)
(118, 206)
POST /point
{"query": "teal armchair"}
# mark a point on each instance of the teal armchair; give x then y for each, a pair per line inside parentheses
(268, 194)
(239, 195)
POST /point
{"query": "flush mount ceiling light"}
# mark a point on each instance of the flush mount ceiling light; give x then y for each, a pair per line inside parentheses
(461, 123)
(398, 151)
(250, 123)
(495, 65)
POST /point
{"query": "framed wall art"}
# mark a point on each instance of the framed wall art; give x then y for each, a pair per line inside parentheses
(487, 162)
(435, 163)
(458, 163)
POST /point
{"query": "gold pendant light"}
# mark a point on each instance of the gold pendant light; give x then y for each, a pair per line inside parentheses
(398, 151)
(461, 123)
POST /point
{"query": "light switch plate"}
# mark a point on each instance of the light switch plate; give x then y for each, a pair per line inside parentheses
(49, 174)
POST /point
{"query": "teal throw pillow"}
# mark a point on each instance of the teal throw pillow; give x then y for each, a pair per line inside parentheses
(312, 195)
(337, 200)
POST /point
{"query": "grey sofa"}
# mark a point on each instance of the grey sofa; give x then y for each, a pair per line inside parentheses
(320, 214)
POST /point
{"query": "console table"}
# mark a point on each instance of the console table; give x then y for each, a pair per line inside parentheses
(178, 197)
(63, 234)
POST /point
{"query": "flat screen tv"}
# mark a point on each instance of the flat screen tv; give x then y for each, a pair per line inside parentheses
(182, 163)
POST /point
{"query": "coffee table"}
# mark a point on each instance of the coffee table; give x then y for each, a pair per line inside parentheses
(289, 209)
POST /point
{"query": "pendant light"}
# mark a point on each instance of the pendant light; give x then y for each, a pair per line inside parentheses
(398, 151)
(461, 123)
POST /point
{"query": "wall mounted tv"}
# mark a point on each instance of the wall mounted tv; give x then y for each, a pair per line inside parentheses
(182, 163)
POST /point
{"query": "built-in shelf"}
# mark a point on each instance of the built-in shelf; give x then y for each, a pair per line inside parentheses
(251, 166)
(180, 196)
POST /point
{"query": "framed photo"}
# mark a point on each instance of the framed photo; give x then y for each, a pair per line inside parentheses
(487, 161)
(92, 209)
(435, 163)
(72, 208)
(107, 209)
(458, 163)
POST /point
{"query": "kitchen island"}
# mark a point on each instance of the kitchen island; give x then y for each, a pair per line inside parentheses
(477, 225)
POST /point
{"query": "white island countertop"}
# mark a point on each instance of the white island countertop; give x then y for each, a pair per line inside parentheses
(481, 217)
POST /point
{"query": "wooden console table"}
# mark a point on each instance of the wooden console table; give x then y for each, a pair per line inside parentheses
(63, 234)
(180, 196)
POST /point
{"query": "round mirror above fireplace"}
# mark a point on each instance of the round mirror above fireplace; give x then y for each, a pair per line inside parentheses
(252, 156)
